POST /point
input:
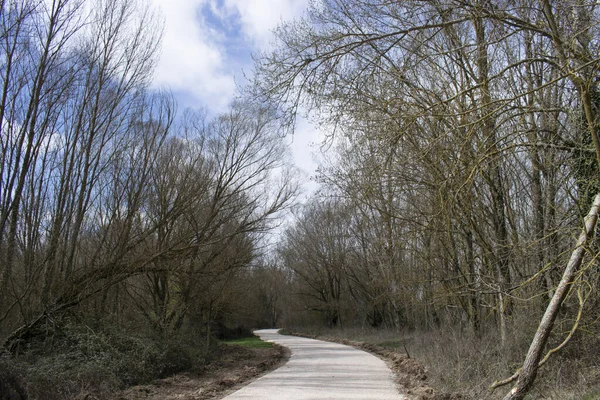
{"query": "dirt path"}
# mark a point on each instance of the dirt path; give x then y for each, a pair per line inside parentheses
(321, 370)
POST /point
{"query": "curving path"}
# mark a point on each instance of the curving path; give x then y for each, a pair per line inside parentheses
(319, 370)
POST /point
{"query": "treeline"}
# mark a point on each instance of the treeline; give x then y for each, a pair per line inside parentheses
(466, 138)
(114, 208)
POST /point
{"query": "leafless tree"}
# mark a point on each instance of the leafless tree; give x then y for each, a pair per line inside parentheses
(480, 109)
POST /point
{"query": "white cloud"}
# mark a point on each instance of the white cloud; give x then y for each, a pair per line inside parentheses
(303, 144)
(195, 60)
(191, 61)
(200, 60)
(260, 17)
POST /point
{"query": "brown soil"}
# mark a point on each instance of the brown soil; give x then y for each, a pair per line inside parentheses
(410, 375)
(235, 367)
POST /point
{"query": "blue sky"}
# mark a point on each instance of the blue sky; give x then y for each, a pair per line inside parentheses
(207, 49)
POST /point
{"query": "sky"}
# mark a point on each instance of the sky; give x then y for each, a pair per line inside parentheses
(207, 51)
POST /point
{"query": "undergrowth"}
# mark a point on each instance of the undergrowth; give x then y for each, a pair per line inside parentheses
(76, 362)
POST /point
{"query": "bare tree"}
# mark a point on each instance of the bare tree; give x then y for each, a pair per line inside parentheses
(316, 250)
(482, 105)
(73, 110)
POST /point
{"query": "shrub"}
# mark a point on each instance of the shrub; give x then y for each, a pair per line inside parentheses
(53, 380)
(176, 358)
(238, 332)
(12, 384)
(77, 362)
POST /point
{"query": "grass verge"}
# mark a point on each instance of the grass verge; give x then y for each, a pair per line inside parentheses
(253, 342)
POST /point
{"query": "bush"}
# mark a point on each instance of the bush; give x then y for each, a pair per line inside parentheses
(238, 332)
(54, 380)
(12, 385)
(77, 362)
(176, 358)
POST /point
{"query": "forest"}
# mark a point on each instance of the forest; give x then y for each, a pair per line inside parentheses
(459, 189)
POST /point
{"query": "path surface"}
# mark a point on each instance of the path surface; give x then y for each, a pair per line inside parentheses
(319, 370)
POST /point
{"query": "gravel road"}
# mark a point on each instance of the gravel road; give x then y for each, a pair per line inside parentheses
(319, 370)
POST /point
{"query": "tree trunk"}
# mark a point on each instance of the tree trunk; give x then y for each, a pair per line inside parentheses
(530, 365)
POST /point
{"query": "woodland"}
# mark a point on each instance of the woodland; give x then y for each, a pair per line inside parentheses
(459, 191)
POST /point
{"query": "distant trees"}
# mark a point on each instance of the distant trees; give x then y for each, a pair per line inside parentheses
(467, 136)
(317, 250)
